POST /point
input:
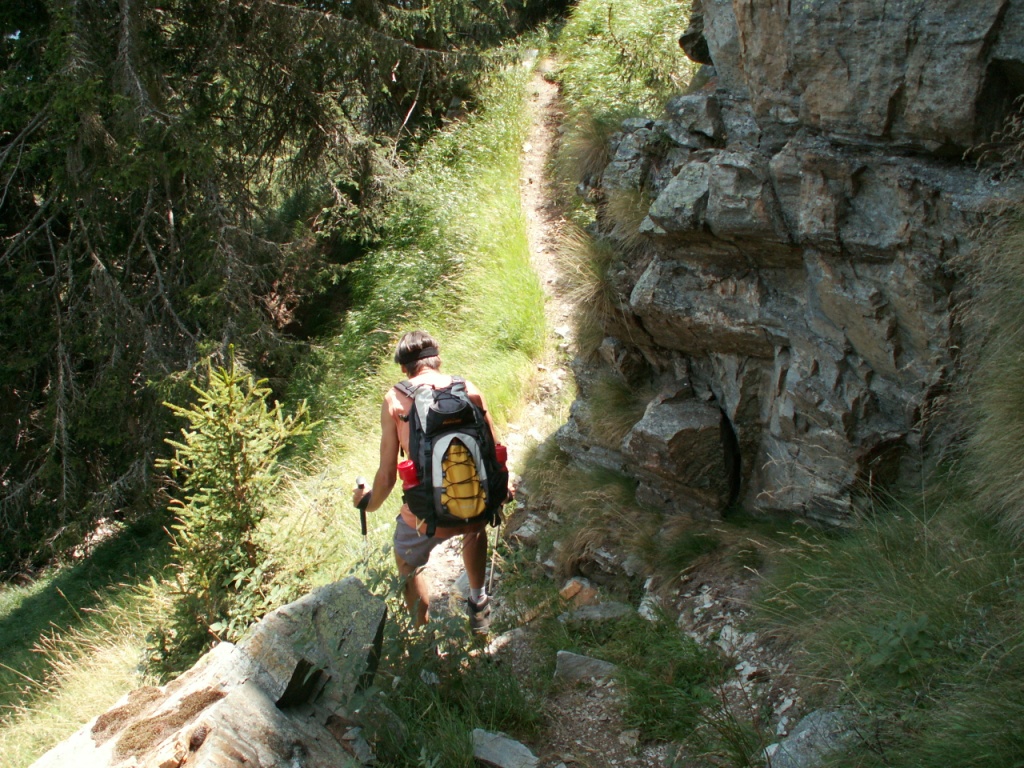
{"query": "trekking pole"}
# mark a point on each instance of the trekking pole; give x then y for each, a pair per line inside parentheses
(363, 502)
(494, 555)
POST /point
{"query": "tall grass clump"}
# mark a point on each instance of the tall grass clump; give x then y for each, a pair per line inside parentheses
(584, 263)
(623, 58)
(618, 59)
(598, 506)
(914, 621)
(995, 319)
(456, 263)
(613, 408)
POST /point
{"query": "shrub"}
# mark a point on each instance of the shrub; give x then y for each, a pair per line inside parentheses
(227, 459)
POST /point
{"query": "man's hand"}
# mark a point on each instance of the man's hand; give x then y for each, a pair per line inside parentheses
(360, 493)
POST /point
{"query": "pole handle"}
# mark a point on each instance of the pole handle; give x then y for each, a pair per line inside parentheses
(361, 483)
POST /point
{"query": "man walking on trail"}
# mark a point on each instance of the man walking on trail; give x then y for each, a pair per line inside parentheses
(419, 358)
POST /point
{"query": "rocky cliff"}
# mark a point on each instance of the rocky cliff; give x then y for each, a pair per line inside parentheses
(794, 284)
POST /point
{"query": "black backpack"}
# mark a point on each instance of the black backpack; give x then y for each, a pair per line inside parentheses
(460, 480)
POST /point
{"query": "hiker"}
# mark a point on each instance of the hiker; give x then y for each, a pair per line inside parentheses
(417, 354)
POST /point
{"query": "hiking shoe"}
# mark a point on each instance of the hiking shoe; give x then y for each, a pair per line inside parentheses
(480, 616)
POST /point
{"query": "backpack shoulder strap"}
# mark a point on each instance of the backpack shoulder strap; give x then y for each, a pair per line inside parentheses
(409, 390)
(406, 388)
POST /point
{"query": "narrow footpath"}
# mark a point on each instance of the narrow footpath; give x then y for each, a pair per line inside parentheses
(584, 721)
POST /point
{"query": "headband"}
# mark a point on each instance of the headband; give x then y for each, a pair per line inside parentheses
(411, 356)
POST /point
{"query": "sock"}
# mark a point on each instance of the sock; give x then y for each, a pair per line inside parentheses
(477, 596)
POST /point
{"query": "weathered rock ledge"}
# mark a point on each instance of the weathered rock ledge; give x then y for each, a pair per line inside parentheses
(277, 698)
(795, 292)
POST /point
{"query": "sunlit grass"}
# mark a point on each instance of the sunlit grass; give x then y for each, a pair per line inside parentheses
(80, 673)
(623, 58)
(461, 210)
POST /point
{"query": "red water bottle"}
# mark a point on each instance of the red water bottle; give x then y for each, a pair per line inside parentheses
(407, 471)
(501, 452)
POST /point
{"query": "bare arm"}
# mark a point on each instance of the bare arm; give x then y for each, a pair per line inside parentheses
(387, 470)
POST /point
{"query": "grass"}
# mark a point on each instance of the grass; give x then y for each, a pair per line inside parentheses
(667, 675)
(584, 264)
(625, 210)
(915, 620)
(88, 672)
(67, 601)
(458, 266)
(614, 407)
(596, 506)
(623, 58)
(59, 673)
(619, 59)
(994, 396)
(434, 687)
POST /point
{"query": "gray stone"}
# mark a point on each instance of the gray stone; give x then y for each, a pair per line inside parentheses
(572, 667)
(694, 113)
(692, 40)
(247, 727)
(680, 206)
(500, 751)
(600, 613)
(324, 645)
(528, 532)
(814, 737)
(630, 163)
(680, 443)
(741, 200)
(723, 38)
(693, 309)
(271, 703)
(910, 73)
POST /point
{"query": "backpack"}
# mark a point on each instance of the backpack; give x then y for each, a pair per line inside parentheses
(460, 480)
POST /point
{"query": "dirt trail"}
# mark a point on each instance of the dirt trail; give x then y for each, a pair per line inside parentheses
(541, 415)
(584, 723)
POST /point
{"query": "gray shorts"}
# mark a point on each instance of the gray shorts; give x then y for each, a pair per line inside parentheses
(413, 547)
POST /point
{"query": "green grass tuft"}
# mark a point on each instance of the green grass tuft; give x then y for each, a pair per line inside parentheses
(913, 618)
(666, 674)
(995, 320)
(613, 408)
(623, 58)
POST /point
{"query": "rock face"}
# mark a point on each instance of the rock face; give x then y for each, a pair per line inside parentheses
(795, 294)
(277, 698)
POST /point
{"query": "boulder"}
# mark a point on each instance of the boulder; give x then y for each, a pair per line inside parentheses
(573, 667)
(500, 751)
(678, 446)
(323, 646)
(271, 700)
(816, 736)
